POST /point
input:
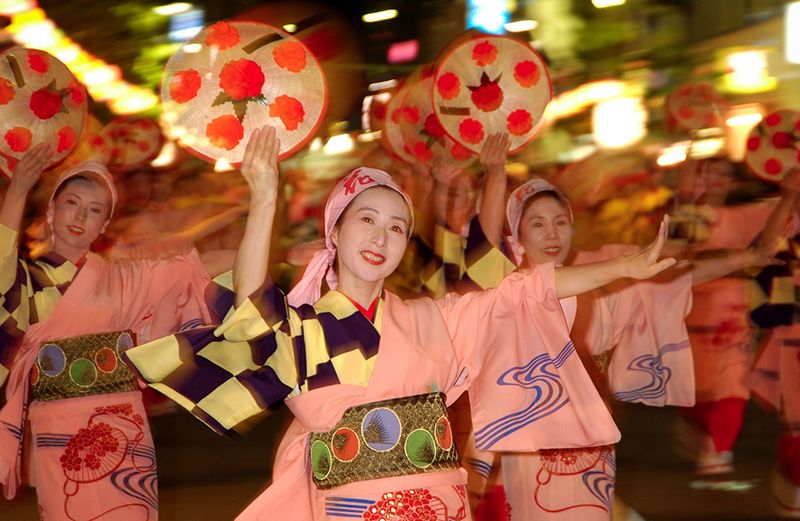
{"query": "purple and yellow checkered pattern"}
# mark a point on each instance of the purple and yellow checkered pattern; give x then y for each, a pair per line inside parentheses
(264, 351)
(464, 264)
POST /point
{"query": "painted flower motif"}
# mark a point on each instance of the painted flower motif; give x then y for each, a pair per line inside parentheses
(471, 131)
(527, 73)
(241, 79)
(396, 115)
(38, 62)
(773, 166)
(484, 53)
(143, 146)
(753, 143)
(422, 151)
(76, 94)
(686, 112)
(433, 127)
(222, 35)
(520, 122)
(67, 139)
(7, 91)
(488, 96)
(45, 103)
(225, 132)
(406, 505)
(410, 115)
(184, 85)
(773, 119)
(449, 86)
(782, 140)
(289, 109)
(19, 139)
(290, 56)
(460, 152)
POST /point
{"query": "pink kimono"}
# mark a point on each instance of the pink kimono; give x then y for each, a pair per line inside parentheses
(509, 346)
(90, 456)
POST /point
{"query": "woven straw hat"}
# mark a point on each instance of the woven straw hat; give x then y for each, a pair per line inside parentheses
(128, 142)
(773, 146)
(692, 106)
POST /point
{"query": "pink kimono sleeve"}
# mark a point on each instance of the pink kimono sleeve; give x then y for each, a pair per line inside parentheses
(528, 388)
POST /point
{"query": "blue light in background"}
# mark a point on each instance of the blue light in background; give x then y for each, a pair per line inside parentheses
(185, 26)
(488, 15)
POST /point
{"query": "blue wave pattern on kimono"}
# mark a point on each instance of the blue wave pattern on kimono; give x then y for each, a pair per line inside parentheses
(346, 507)
(549, 396)
(141, 485)
(659, 375)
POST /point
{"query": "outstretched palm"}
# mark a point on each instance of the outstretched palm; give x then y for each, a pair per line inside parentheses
(645, 263)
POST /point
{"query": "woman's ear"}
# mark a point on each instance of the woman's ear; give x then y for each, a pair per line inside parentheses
(335, 237)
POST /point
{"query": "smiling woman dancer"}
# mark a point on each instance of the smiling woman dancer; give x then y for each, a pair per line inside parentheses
(368, 375)
(65, 319)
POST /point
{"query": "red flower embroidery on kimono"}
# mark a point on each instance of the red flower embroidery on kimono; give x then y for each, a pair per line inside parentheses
(290, 111)
(526, 73)
(45, 103)
(241, 79)
(19, 139)
(38, 62)
(408, 505)
(290, 56)
(184, 85)
(225, 132)
(223, 35)
(484, 53)
(488, 96)
(449, 86)
(433, 127)
(471, 131)
(7, 91)
(520, 122)
(88, 447)
(66, 139)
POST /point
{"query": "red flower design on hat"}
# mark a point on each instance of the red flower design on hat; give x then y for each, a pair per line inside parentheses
(184, 85)
(433, 127)
(143, 146)
(460, 152)
(225, 132)
(223, 35)
(45, 103)
(396, 114)
(422, 152)
(782, 140)
(7, 91)
(38, 62)
(773, 166)
(686, 112)
(76, 93)
(241, 79)
(449, 85)
(289, 109)
(527, 73)
(520, 122)
(753, 143)
(773, 119)
(471, 131)
(484, 53)
(290, 56)
(66, 139)
(19, 139)
(488, 96)
(410, 115)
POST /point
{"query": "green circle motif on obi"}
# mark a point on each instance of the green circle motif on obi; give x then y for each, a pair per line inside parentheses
(83, 372)
(420, 448)
(321, 460)
(106, 359)
(52, 360)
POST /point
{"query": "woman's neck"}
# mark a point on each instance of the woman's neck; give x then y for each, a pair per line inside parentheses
(74, 255)
(360, 291)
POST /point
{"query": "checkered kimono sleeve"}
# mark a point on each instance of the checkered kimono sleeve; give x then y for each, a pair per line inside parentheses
(464, 264)
(15, 299)
(228, 374)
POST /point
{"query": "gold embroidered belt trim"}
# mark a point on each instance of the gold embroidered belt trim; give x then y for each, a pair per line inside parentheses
(398, 437)
(82, 366)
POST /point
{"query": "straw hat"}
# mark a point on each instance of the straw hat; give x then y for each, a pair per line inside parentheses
(392, 134)
(128, 142)
(41, 102)
(235, 77)
(491, 84)
(773, 146)
(692, 106)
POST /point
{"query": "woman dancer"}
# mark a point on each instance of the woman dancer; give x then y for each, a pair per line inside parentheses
(66, 319)
(368, 375)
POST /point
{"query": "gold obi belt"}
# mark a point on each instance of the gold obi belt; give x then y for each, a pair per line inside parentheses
(82, 366)
(397, 437)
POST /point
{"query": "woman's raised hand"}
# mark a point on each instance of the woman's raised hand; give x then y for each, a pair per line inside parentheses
(260, 164)
(29, 169)
(495, 152)
(645, 263)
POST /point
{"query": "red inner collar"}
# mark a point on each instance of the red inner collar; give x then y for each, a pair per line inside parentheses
(369, 313)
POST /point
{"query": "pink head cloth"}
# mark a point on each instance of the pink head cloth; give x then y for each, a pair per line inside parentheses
(516, 205)
(92, 169)
(307, 291)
